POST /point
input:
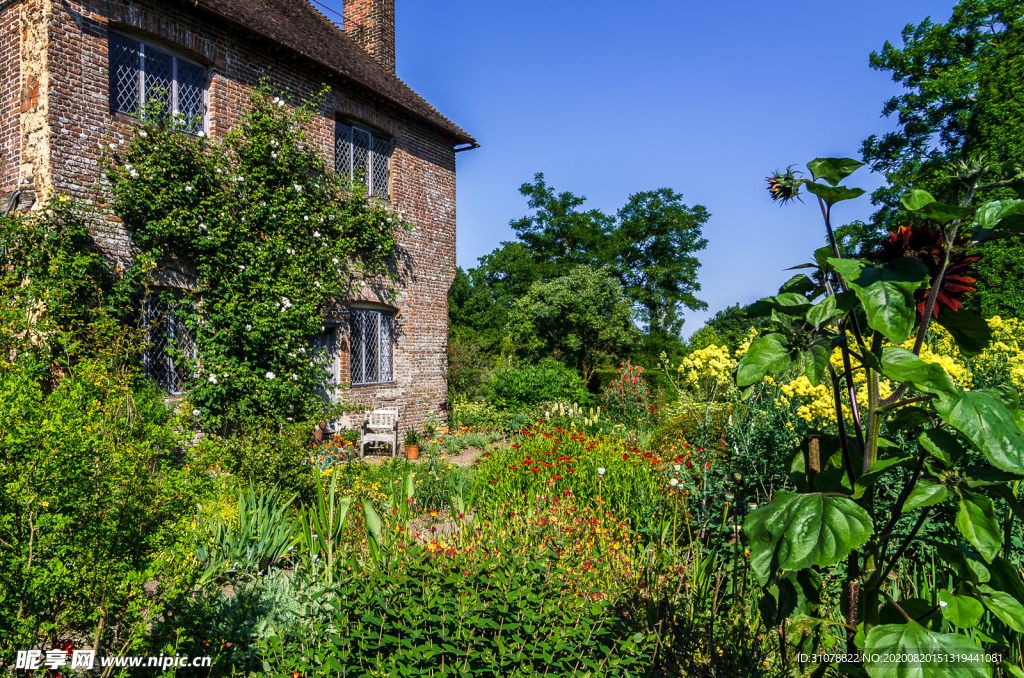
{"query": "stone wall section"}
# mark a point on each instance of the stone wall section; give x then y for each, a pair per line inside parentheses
(66, 131)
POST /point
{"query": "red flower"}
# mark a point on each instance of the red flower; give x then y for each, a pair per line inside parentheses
(625, 456)
(513, 468)
(535, 469)
(557, 477)
(689, 464)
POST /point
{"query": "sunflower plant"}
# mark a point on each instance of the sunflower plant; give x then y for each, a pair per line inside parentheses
(860, 498)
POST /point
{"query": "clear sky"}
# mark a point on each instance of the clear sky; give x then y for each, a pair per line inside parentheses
(611, 98)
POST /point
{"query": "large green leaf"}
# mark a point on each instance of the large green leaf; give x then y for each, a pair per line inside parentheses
(943, 213)
(962, 611)
(799, 283)
(887, 293)
(976, 520)
(790, 303)
(814, 363)
(766, 354)
(1006, 577)
(999, 216)
(925, 493)
(795, 593)
(916, 199)
(908, 417)
(1003, 605)
(966, 563)
(925, 654)
(833, 170)
(834, 194)
(795, 531)
(941, 445)
(989, 425)
(903, 366)
(970, 331)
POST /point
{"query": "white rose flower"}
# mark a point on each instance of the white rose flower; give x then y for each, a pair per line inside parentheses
(188, 189)
(201, 134)
(295, 377)
(270, 375)
(248, 328)
(305, 218)
(334, 260)
(213, 379)
(316, 234)
(143, 134)
(195, 413)
(298, 188)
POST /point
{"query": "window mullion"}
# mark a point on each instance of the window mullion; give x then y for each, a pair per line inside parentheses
(174, 84)
(142, 76)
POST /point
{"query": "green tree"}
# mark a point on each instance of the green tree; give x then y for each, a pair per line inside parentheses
(580, 318)
(964, 81)
(651, 249)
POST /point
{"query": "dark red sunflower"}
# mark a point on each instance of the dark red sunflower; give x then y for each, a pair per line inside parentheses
(925, 245)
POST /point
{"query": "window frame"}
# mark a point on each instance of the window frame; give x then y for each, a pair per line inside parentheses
(141, 85)
(159, 318)
(380, 313)
(372, 154)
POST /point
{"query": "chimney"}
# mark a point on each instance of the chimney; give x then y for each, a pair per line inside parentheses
(371, 23)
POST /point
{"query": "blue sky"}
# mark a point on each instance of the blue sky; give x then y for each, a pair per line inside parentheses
(612, 98)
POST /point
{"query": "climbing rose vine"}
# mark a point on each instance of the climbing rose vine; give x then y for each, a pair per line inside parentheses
(269, 238)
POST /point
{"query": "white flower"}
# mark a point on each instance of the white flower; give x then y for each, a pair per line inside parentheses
(121, 142)
(305, 218)
(316, 234)
(239, 179)
(335, 260)
(195, 413)
(248, 328)
(274, 155)
(270, 375)
(188, 189)
(389, 220)
(213, 379)
(673, 482)
(317, 283)
(201, 134)
(143, 134)
(302, 350)
(676, 467)
(241, 268)
(290, 251)
(290, 419)
(202, 227)
(134, 174)
(280, 103)
(295, 377)
(274, 143)
(298, 188)
(600, 470)
(220, 171)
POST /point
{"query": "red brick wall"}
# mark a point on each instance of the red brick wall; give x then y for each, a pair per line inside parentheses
(371, 23)
(423, 162)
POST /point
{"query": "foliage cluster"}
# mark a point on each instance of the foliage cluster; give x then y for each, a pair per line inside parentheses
(523, 386)
(270, 237)
(627, 399)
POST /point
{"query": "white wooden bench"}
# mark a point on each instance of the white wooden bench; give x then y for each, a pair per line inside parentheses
(380, 426)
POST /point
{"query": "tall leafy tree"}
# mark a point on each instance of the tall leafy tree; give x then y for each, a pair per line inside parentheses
(964, 82)
(580, 318)
(651, 248)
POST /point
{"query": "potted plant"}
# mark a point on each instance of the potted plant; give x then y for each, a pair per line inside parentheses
(412, 444)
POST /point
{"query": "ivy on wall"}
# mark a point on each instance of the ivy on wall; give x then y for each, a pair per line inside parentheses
(271, 238)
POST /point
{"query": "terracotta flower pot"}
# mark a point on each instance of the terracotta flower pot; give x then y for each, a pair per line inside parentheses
(412, 451)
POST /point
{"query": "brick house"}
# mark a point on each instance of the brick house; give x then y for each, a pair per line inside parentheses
(75, 71)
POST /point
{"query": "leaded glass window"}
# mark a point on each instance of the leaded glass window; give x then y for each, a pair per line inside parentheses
(372, 347)
(143, 74)
(170, 344)
(363, 157)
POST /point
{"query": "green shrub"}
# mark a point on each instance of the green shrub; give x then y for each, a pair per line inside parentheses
(529, 385)
(507, 616)
(627, 399)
